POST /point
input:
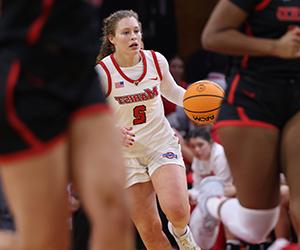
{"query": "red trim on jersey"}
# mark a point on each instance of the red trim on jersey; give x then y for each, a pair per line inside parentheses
(34, 30)
(244, 118)
(88, 110)
(123, 74)
(233, 87)
(12, 115)
(245, 58)
(109, 81)
(156, 64)
(241, 112)
(31, 152)
(263, 4)
(244, 61)
(244, 123)
(214, 135)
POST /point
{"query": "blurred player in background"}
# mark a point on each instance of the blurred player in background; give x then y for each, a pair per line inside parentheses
(55, 125)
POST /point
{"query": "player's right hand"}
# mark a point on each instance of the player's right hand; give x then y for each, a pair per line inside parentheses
(127, 136)
(288, 46)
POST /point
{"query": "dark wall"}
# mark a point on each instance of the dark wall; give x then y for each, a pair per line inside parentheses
(191, 16)
(169, 26)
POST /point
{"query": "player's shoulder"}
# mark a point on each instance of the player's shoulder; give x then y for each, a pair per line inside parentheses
(103, 68)
(153, 53)
(105, 60)
(157, 56)
(103, 64)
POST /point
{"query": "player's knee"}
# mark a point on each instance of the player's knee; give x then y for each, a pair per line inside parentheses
(177, 211)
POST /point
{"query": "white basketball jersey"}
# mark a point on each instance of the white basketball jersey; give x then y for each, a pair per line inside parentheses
(134, 94)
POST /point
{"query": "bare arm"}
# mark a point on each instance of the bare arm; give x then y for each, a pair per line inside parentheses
(169, 88)
(221, 34)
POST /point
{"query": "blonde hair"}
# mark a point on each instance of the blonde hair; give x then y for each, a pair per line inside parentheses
(109, 28)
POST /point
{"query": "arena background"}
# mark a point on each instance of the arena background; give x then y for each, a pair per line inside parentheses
(169, 26)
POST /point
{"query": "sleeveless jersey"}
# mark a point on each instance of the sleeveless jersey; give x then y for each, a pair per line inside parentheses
(134, 93)
(269, 19)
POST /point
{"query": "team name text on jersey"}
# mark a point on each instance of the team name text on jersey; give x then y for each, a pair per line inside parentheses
(139, 97)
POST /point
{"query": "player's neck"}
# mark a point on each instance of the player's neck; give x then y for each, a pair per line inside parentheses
(124, 60)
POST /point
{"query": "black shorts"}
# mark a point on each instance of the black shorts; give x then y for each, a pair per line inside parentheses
(41, 91)
(250, 101)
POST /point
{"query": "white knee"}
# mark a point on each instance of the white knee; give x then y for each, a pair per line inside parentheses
(251, 225)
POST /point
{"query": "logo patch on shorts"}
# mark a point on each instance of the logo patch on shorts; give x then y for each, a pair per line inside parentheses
(170, 155)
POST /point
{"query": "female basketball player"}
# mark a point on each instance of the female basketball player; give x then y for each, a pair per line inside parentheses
(133, 80)
(259, 123)
(55, 125)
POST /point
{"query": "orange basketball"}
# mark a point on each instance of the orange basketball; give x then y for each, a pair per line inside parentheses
(202, 101)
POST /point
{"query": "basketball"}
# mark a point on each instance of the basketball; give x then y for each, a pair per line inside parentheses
(202, 101)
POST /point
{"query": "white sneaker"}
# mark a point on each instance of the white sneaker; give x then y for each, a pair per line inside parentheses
(203, 225)
(186, 241)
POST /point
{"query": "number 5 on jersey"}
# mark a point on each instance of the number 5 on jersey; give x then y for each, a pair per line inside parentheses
(139, 113)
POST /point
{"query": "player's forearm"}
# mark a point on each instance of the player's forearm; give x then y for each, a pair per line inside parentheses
(173, 92)
(176, 96)
(233, 42)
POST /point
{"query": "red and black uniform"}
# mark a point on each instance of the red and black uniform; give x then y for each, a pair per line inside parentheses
(47, 56)
(263, 91)
(269, 19)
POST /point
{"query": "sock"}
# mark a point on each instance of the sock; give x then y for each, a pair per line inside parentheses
(213, 205)
(179, 231)
(250, 225)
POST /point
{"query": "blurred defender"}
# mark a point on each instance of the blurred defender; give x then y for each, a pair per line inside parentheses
(55, 125)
